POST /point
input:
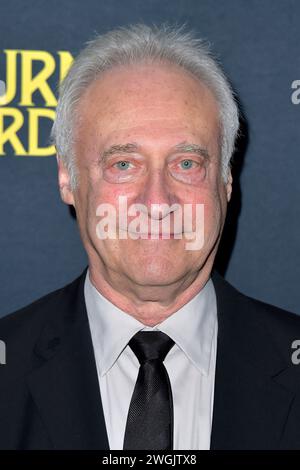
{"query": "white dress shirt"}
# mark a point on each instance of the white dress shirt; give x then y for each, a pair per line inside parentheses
(190, 364)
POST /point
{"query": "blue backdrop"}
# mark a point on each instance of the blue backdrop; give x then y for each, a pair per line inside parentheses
(258, 45)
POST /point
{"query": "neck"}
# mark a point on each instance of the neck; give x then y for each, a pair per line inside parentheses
(148, 304)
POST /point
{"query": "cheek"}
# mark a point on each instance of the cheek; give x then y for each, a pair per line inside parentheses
(88, 197)
(103, 192)
(99, 193)
(109, 195)
(212, 215)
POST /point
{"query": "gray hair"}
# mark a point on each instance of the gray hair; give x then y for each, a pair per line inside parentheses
(132, 45)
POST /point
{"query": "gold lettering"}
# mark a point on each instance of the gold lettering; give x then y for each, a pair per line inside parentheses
(66, 60)
(30, 84)
(33, 138)
(10, 134)
(11, 76)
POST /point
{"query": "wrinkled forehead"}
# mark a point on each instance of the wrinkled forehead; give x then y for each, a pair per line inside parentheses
(146, 85)
(147, 100)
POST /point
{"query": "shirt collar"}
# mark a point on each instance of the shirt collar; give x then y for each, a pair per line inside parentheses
(191, 327)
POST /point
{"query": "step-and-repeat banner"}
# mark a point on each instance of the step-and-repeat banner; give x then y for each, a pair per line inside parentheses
(258, 45)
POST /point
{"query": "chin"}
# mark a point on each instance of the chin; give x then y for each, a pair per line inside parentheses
(153, 276)
(154, 282)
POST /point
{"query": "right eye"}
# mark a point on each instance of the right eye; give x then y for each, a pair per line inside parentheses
(122, 165)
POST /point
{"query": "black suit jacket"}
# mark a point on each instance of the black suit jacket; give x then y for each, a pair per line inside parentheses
(49, 392)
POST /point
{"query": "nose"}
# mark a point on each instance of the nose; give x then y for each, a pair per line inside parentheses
(157, 196)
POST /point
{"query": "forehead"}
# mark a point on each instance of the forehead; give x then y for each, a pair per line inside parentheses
(147, 100)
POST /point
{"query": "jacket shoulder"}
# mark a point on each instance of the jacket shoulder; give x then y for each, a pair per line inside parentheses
(282, 325)
(35, 312)
(231, 294)
(20, 330)
(258, 318)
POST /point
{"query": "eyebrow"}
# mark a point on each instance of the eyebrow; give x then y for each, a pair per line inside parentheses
(187, 147)
(131, 147)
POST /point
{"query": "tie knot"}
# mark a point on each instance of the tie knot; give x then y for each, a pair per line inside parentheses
(150, 345)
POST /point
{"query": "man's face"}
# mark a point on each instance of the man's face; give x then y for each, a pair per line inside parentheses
(138, 135)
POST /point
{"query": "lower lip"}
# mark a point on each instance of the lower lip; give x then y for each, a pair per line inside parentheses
(156, 236)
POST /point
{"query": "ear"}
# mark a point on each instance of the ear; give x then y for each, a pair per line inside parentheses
(64, 183)
(229, 186)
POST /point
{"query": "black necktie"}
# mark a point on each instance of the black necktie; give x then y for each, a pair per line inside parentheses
(150, 416)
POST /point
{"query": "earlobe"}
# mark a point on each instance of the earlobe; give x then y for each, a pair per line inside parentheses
(66, 193)
(229, 186)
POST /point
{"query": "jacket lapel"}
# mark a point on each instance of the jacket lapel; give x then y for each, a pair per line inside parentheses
(64, 383)
(253, 392)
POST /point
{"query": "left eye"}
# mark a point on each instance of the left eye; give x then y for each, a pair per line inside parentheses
(122, 165)
(186, 164)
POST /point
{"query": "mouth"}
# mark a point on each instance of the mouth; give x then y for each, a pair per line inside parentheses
(156, 235)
